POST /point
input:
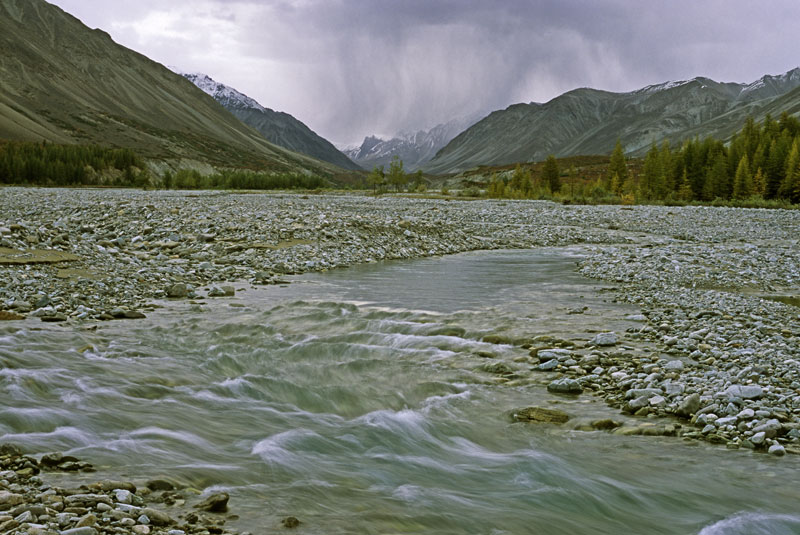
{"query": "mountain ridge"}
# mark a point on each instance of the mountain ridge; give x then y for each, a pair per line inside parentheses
(277, 127)
(65, 83)
(589, 121)
(413, 148)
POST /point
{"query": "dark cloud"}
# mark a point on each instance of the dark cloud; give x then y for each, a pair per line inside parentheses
(354, 67)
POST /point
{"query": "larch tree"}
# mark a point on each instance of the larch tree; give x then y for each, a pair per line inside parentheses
(618, 167)
(396, 175)
(552, 174)
(743, 180)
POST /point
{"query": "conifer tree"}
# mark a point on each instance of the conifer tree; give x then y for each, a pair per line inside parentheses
(743, 181)
(790, 170)
(667, 183)
(652, 174)
(774, 170)
(396, 174)
(685, 188)
(618, 167)
(376, 177)
(759, 183)
(551, 174)
(497, 187)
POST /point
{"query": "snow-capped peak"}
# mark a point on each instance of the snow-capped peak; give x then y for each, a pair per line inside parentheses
(221, 92)
(655, 88)
(779, 83)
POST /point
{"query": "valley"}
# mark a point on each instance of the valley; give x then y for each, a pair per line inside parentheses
(575, 315)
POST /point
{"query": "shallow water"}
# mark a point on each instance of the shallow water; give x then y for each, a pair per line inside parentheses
(356, 400)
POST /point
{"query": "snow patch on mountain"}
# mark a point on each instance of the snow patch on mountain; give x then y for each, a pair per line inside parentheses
(655, 88)
(414, 148)
(222, 93)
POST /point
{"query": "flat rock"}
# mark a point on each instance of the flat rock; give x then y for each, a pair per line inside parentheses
(34, 256)
(540, 415)
(744, 391)
(5, 315)
(605, 339)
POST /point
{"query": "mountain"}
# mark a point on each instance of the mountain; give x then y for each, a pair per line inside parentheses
(415, 149)
(278, 127)
(63, 82)
(589, 121)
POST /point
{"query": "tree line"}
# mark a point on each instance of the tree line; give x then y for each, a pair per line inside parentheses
(380, 179)
(238, 179)
(45, 164)
(760, 163)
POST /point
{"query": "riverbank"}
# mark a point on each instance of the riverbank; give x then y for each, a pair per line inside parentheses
(714, 285)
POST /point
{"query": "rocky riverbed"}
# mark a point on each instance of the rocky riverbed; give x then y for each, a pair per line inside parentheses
(31, 503)
(716, 347)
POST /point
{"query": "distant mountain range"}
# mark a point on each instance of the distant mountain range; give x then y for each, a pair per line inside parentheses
(415, 149)
(589, 121)
(63, 82)
(278, 127)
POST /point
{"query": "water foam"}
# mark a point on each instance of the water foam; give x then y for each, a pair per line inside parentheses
(755, 523)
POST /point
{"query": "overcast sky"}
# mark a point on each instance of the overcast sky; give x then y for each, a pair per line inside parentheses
(350, 68)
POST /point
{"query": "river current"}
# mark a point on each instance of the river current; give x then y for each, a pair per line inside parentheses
(358, 401)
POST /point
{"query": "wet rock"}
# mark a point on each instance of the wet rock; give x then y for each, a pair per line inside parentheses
(54, 317)
(51, 460)
(498, 339)
(290, 522)
(548, 365)
(178, 291)
(565, 386)
(605, 424)
(689, 406)
(500, 368)
(156, 517)
(216, 503)
(540, 415)
(777, 449)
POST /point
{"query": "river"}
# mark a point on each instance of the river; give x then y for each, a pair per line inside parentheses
(358, 401)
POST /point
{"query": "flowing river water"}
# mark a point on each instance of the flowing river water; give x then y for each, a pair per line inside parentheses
(358, 401)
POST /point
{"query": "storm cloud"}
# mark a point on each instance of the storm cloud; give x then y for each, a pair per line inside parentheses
(350, 68)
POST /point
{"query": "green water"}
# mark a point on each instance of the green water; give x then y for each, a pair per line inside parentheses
(357, 401)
